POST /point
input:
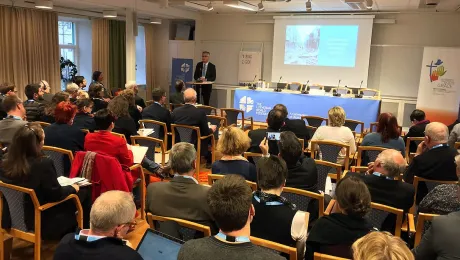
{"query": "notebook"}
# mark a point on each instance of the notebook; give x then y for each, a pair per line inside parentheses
(158, 246)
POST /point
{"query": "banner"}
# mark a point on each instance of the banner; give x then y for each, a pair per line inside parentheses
(182, 69)
(439, 88)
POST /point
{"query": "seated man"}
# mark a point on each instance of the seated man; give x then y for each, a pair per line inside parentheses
(111, 218)
(183, 197)
(138, 100)
(15, 118)
(230, 202)
(157, 111)
(80, 81)
(434, 159)
(6, 89)
(274, 210)
(419, 123)
(35, 109)
(275, 121)
(72, 89)
(297, 126)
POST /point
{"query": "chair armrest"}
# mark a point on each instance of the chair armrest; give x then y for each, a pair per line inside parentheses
(410, 218)
(329, 207)
(52, 204)
(344, 173)
(135, 166)
(206, 137)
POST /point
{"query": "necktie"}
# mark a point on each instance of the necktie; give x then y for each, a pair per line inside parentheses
(205, 67)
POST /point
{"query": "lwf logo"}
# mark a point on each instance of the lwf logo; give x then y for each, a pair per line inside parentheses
(246, 104)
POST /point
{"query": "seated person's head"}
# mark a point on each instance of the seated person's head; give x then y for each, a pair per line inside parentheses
(290, 147)
(381, 246)
(388, 127)
(282, 108)
(159, 95)
(7, 89)
(65, 112)
(233, 141)
(98, 76)
(190, 96)
(132, 85)
(353, 197)
(80, 81)
(82, 94)
(57, 98)
(230, 203)
(12, 105)
(45, 86)
(112, 214)
(275, 119)
(33, 91)
(271, 174)
(119, 106)
(95, 90)
(336, 116)
(72, 89)
(390, 163)
(417, 116)
(180, 85)
(130, 96)
(104, 120)
(436, 133)
(85, 105)
(182, 158)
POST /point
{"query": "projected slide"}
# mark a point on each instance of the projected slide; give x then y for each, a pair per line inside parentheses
(321, 45)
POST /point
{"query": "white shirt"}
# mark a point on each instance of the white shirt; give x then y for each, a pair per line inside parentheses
(205, 69)
(341, 134)
(299, 229)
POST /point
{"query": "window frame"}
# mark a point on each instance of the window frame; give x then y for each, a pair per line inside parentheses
(74, 46)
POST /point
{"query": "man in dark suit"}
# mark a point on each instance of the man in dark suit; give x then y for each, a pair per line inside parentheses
(157, 111)
(419, 123)
(433, 160)
(275, 121)
(183, 197)
(205, 71)
(297, 126)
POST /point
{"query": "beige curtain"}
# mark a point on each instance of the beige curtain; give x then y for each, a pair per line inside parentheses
(150, 59)
(101, 48)
(29, 47)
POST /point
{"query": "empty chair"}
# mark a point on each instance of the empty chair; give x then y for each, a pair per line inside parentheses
(295, 86)
(160, 130)
(353, 124)
(207, 109)
(302, 199)
(152, 144)
(62, 159)
(326, 169)
(232, 116)
(367, 92)
(179, 228)
(379, 214)
(367, 154)
(315, 121)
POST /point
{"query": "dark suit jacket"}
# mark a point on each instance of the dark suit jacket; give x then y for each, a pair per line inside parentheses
(139, 101)
(2, 110)
(98, 105)
(65, 136)
(417, 130)
(210, 72)
(84, 121)
(125, 125)
(158, 113)
(298, 127)
(303, 175)
(257, 136)
(190, 115)
(135, 115)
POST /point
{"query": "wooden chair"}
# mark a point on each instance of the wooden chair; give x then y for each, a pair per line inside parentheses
(416, 140)
(149, 102)
(380, 212)
(329, 151)
(44, 124)
(115, 134)
(157, 127)
(86, 131)
(330, 207)
(187, 228)
(152, 144)
(374, 125)
(15, 196)
(302, 198)
(315, 121)
(291, 251)
(358, 169)
(232, 114)
(318, 256)
(308, 88)
(368, 92)
(353, 124)
(142, 186)
(422, 220)
(219, 122)
(430, 184)
(174, 106)
(370, 151)
(255, 156)
(295, 86)
(59, 157)
(212, 178)
(457, 145)
(207, 109)
(192, 134)
(325, 169)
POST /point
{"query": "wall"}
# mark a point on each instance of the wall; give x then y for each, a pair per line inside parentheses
(162, 60)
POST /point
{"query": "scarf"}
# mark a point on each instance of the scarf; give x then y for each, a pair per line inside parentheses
(87, 168)
(267, 197)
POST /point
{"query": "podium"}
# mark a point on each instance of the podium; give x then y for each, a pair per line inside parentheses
(195, 83)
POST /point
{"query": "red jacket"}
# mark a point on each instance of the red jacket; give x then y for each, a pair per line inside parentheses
(107, 174)
(106, 143)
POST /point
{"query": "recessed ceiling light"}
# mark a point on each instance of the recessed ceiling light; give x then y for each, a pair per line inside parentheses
(240, 5)
(369, 4)
(109, 14)
(155, 21)
(210, 7)
(43, 4)
(261, 6)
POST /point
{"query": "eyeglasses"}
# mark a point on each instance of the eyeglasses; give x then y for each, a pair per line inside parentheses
(131, 225)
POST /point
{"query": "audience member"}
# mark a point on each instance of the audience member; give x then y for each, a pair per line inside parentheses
(96, 94)
(275, 121)
(454, 136)
(157, 111)
(47, 96)
(229, 200)
(381, 246)
(178, 96)
(112, 217)
(232, 144)
(34, 109)
(419, 123)
(433, 160)
(387, 136)
(335, 131)
(84, 119)
(82, 95)
(80, 81)
(133, 109)
(26, 167)
(15, 119)
(72, 90)
(297, 126)
(6, 89)
(334, 234)
(131, 85)
(444, 198)
(277, 219)
(124, 124)
(98, 77)
(50, 108)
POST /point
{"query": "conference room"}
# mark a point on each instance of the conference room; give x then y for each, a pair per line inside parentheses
(126, 128)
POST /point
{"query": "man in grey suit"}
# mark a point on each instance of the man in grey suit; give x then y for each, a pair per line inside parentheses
(14, 120)
(183, 197)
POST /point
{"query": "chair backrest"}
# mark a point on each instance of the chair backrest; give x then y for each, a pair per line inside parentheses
(353, 124)
(320, 87)
(380, 212)
(212, 178)
(231, 115)
(295, 86)
(315, 121)
(187, 229)
(86, 131)
(59, 157)
(367, 92)
(330, 151)
(430, 184)
(157, 127)
(371, 152)
(218, 121)
(312, 129)
(188, 134)
(324, 168)
(457, 145)
(423, 221)
(409, 140)
(152, 144)
(319, 256)
(373, 127)
(358, 169)
(174, 106)
(207, 109)
(44, 124)
(255, 156)
(302, 198)
(280, 248)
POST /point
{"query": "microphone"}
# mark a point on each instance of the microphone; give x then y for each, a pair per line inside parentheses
(360, 94)
(253, 85)
(307, 88)
(360, 85)
(336, 92)
(278, 89)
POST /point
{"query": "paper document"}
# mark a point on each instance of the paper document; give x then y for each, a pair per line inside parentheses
(64, 181)
(145, 131)
(139, 153)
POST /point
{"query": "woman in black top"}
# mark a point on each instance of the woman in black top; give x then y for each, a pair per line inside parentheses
(178, 97)
(96, 95)
(25, 166)
(48, 117)
(124, 124)
(98, 77)
(84, 119)
(134, 112)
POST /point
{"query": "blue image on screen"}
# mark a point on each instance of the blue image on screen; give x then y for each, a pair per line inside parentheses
(156, 247)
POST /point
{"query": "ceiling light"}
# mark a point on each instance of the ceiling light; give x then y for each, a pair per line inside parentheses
(210, 7)
(369, 4)
(240, 5)
(261, 6)
(196, 6)
(43, 4)
(155, 21)
(109, 14)
(308, 5)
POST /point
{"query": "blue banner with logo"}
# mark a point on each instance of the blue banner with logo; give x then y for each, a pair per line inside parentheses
(182, 69)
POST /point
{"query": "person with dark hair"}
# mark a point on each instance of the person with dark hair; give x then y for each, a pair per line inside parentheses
(178, 96)
(277, 219)
(205, 72)
(80, 81)
(15, 119)
(84, 119)
(25, 166)
(229, 200)
(34, 109)
(98, 77)
(95, 93)
(297, 126)
(157, 111)
(6, 89)
(387, 136)
(275, 121)
(419, 123)
(51, 107)
(124, 124)
(334, 234)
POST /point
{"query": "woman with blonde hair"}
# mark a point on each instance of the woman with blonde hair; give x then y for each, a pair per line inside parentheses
(124, 124)
(335, 131)
(133, 109)
(381, 246)
(232, 144)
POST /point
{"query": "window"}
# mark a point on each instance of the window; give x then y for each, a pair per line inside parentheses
(67, 41)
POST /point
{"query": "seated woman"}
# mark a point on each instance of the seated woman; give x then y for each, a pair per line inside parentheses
(334, 234)
(25, 166)
(232, 144)
(59, 97)
(96, 94)
(124, 124)
(335, 131)
(381, 245)
(84, 119)
(133, 109)
(178, 97)
(387, 136)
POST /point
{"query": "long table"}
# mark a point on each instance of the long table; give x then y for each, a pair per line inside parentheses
(257, 104)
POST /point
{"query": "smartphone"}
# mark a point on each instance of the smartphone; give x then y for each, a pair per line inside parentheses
(273, 136)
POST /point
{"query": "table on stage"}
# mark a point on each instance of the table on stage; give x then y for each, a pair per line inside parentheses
(257, 104)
